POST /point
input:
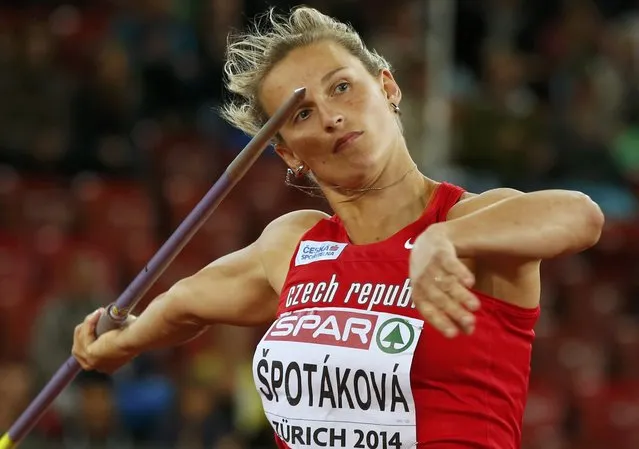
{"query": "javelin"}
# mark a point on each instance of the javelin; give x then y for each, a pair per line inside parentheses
(117, 312)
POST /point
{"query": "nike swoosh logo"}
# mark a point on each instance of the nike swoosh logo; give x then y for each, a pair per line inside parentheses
(408, 244)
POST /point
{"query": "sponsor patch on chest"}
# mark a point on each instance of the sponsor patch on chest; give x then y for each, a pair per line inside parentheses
(339, 377)
(326, 327)
(312, 251)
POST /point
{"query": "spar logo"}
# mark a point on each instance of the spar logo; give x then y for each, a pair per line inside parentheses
(395, 335)
(343, 328)
(311, 251)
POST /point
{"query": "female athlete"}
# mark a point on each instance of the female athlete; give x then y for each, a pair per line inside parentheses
(403, 320)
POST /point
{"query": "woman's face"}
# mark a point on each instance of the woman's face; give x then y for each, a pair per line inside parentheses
(345, 129)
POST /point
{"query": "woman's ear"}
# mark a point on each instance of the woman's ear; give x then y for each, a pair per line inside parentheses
(287, 156)
(390, 87)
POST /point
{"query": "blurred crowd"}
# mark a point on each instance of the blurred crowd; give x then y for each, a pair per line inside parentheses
(109, 136)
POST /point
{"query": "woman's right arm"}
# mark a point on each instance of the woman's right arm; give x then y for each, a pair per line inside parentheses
(236, 289)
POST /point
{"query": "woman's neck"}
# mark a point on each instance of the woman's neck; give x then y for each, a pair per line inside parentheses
(396, 199)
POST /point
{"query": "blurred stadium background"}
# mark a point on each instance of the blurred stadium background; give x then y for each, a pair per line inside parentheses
(109, 136)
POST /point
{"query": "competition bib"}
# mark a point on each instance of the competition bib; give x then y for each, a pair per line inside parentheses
(336, 377)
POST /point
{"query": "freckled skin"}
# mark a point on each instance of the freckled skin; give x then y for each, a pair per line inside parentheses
(349, 99)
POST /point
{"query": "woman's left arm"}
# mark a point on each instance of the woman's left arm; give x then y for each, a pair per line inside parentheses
(534, 226)
(505, 233)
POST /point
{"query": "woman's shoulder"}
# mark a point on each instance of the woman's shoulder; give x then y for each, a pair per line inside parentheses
(296, 221)
(286, 230)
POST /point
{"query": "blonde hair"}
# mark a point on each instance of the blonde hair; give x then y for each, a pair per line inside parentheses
(250, 56)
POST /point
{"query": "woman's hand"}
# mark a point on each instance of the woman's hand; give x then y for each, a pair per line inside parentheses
(440, 283)
(101, 354)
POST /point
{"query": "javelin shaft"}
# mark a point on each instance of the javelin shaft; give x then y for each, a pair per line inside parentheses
(117, 312)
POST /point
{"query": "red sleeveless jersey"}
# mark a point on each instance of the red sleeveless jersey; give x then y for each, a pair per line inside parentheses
(350, 363)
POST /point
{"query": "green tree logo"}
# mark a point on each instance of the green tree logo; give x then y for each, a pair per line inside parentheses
(395, 335)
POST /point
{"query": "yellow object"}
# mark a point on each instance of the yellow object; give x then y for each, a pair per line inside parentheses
(5, 442)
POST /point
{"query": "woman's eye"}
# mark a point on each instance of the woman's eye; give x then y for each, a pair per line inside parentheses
(302, 115)
(342, 87)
